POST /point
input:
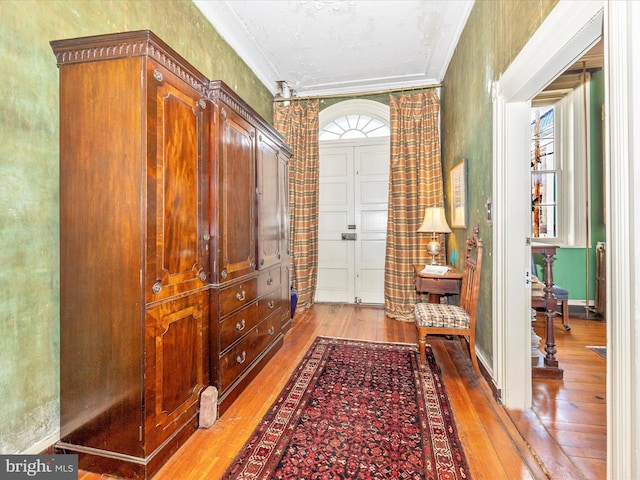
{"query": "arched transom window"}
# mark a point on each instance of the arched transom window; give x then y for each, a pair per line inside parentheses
(354, 126)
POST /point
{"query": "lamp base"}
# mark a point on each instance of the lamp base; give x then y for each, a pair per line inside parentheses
(433, 248)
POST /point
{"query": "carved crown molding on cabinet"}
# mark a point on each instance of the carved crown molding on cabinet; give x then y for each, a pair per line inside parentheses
(130, 44)
(220, 90)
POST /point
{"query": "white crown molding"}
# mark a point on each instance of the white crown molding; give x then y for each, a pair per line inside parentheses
(370, 85)
(233, 31)
(221, 15)
(468, 6)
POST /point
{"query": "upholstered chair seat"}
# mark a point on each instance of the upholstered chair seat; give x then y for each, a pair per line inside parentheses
(438, 315)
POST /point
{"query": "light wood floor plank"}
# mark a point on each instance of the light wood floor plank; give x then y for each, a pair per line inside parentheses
(498, 444)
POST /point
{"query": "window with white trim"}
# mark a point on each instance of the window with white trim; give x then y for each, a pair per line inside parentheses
(559, 172)
(354, 126)
(544, 174)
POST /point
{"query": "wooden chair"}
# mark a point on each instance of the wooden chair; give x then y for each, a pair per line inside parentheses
(446, 319)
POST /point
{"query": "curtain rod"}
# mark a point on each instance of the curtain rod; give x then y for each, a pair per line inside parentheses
(359, 94)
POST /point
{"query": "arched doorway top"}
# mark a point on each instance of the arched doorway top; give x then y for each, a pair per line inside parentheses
(354, 119)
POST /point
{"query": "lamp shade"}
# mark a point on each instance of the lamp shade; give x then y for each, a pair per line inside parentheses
(434, 221)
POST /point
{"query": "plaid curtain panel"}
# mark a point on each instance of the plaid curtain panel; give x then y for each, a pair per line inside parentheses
(299, 126)
(415, 182)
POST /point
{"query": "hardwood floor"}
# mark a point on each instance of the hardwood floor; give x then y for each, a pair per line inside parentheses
(567, 424)
(494, 448)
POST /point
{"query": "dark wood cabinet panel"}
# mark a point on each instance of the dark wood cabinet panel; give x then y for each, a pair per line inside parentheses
(269, 203)
(285, 248)
(99, 186)
(134, 317)
(249, 213)
(171, 188)
(176, 188)
(176, 364)
(236, 185)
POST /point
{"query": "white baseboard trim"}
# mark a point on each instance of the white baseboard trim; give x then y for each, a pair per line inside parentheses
(44, 444)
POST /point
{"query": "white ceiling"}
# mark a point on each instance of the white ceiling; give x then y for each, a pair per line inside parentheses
(324, 47)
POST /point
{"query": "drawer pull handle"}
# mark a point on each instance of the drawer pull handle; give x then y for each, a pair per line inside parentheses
(271, 304)
(241, 296)
(270, 281)
(240, 325)
(271, 330)
(241, 359)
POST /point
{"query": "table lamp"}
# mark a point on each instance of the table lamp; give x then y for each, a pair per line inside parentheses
(434, 222)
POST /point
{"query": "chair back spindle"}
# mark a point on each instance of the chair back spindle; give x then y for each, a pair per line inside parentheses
(470, 287)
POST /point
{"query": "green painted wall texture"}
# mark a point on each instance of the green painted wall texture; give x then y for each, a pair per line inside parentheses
(29, 261)
(494, 34)
(29, 278)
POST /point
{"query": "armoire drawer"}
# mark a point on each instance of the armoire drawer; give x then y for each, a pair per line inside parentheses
(238, 324)
(236, 296)
(240, 357)
(268, 281)
(269, 304)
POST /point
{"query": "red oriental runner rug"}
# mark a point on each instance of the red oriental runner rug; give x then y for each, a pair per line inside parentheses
(357, 410)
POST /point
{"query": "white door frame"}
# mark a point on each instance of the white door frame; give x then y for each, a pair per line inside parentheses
(375, 110)
(622, 127)
(564, 35)
(558, 43)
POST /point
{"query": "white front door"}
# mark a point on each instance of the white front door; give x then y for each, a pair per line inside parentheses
(354, 182)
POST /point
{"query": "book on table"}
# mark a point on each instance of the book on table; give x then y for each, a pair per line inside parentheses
(435, 269)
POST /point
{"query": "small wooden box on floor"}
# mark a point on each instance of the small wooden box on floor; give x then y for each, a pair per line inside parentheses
(173, 221)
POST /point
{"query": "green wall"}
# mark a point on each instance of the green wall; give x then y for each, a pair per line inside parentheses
(570, 266)
(29, 364)
(29, 261)
(495, 33)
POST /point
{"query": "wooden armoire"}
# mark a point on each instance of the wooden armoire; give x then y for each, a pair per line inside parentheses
(250, 293)
(174, 261)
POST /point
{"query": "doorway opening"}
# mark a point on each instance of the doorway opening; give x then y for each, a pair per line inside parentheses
(529, 74)
(354, 178)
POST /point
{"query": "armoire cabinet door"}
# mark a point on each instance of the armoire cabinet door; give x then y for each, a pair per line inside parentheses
(237, 186)
(269, 203)
(285, 248)
(176, 364)
(177, 233)
(283, 186)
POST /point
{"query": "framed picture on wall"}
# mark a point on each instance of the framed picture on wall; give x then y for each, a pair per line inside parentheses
(459, 195)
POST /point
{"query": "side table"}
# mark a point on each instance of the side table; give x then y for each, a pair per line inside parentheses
(437, 286)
